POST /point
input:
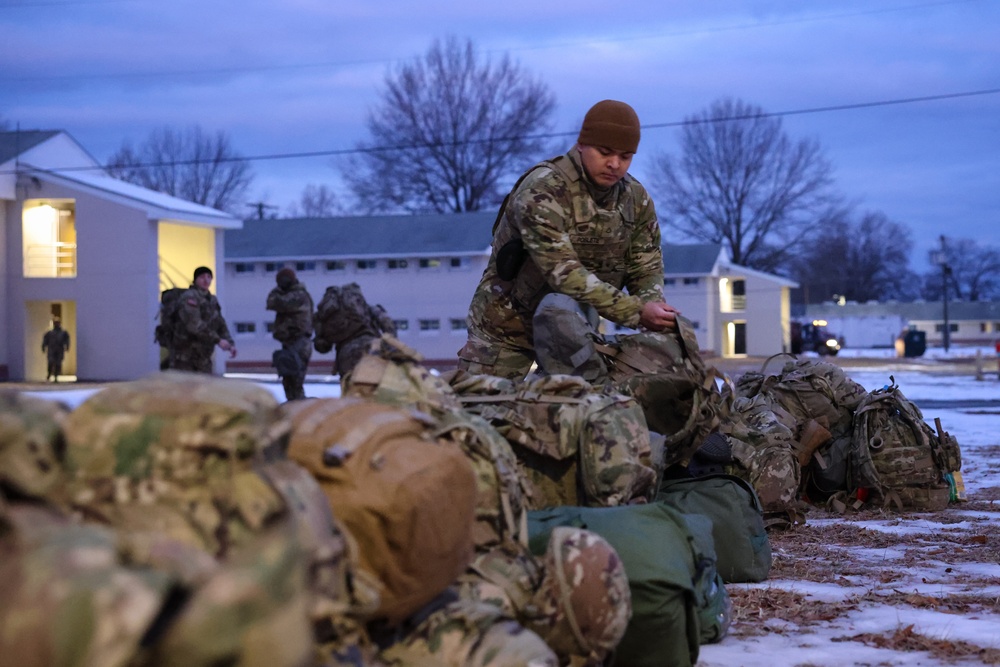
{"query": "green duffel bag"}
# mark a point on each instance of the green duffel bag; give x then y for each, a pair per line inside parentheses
(678, 599)
(741, 544)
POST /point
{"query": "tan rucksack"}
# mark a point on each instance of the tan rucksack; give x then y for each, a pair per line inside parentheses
(576, 445)
(408, 501)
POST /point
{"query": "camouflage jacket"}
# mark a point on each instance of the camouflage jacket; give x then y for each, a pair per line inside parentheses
(200, 320)
(587, 243)
(294, 309)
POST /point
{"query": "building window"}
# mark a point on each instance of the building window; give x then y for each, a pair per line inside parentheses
(270, 327)
(996, 326)
(459, 262)
(459, 324)
(691, 281)
(397, 264)
(739, 294)
(243, 267)
(669, 282)
(246, 327)
(402, 325)
(430, 325)
(273, 267)
(984, 327)
(336, 265)
(49, 238)
(366, 265)
(305, 266)
(430, 263)
(952, 327)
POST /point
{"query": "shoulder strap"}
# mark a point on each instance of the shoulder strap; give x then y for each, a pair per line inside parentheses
(551, 163)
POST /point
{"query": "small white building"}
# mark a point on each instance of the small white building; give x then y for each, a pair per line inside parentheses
(424, 270)
(93, 251)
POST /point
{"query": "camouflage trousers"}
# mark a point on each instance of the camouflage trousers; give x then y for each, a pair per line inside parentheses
(349, 353)
(191, 357)
(293, 384)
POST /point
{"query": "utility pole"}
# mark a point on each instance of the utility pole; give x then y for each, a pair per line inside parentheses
(260, 206)
(941, 257)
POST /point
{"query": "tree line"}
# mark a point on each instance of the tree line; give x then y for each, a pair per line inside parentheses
(452, 127)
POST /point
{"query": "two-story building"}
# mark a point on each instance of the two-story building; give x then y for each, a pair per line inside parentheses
(93, 251)
(424, 269)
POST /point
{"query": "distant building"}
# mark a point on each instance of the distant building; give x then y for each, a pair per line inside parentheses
(424, 269)
(95, 252)
(875, 324)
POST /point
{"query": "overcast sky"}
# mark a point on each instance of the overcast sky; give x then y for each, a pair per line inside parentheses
(300, 75)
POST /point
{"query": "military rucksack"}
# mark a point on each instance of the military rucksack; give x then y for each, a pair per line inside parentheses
(576, 445)
(665, 374)
(169, 316)
(408, 501)
(678, 599)
(821, 400)
(897, 457)
(341, 315)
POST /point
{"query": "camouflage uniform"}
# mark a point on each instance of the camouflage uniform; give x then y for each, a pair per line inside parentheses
(579, 240)
(293, 328)
(55, 343)
(200, 328)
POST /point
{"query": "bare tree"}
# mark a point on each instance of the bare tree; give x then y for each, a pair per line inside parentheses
(860, 260)
(973, 272)
(742, 182)
(316, 201)
(448, 128)
(190, 164)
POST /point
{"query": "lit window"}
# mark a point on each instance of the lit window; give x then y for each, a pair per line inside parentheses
(430, 263)
(395, 264)
(430, 325)
(243, 267)
(49, 233)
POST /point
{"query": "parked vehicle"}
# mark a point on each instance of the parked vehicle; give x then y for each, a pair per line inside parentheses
(814, 337)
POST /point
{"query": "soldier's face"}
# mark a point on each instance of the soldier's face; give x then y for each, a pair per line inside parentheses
(604, 165)
(204, 281)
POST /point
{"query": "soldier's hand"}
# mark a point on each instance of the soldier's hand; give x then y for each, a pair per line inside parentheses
(658, 316)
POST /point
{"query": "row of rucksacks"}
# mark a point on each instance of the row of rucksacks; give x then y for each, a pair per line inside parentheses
(810, 433)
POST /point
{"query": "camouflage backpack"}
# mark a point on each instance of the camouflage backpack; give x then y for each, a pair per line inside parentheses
(575, 445)
(408, 501)
(665, 374)
(821, 400)
(896, 456)
(341, 315)
(169, 319)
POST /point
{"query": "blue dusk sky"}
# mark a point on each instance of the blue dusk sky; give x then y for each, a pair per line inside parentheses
(299, 76)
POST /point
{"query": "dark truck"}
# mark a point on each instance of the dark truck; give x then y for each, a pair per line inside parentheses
(814, 337)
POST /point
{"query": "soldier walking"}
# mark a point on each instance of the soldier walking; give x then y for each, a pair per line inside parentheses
(55, 344)
(293, 328)
(199, 327)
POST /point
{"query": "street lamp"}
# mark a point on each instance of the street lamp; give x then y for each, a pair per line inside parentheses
(940, 257)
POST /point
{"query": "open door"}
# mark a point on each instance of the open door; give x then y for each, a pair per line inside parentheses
(39, 318)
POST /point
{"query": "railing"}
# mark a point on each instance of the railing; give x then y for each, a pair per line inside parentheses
(50, 260)
(739, 302)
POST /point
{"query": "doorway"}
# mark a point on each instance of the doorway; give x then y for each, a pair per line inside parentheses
(39, 318)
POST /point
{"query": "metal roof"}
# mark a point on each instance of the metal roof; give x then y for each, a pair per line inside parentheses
(690, 259)
(362, 236)
(13, 144)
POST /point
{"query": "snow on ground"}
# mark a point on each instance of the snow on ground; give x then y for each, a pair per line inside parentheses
(874, 588)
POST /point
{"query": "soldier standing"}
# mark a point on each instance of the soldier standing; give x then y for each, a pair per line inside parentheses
(200, 327)
(577, 225)
(55, 344)
(293, 328)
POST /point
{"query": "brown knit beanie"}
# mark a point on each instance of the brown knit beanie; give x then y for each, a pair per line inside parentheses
(285, 278)
(611, 124)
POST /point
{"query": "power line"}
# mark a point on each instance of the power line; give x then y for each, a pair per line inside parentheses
(549, 135)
